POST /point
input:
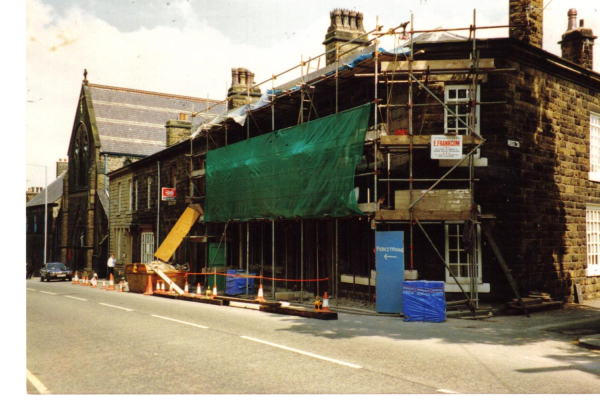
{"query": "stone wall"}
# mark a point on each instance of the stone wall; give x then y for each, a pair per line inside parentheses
(539, 190)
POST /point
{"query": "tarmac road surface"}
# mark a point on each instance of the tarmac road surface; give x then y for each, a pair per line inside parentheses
(83, 340)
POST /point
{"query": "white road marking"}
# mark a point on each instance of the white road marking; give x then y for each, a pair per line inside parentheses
(118, 307)
(39, 386)
(80, 299)
(30, 289)
(46, 292)
(180, 321)
(351, 365)
(442, 391)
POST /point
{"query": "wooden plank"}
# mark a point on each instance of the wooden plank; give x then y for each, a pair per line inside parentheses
(219, 302)
(421, 65)
(421, 140)
(300, 312)
(443, 204)
(249, 301)
(422, 215)
(534, 308)
(180, 230)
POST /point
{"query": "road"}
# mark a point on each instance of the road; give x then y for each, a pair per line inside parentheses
(83, 340)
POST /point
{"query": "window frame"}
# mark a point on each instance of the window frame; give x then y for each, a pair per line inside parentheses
(459, 101)
(119, 198)
(149, 191)
(461, 252)
(594, 154)
(592, 247)
(147, 247)
(130, 203)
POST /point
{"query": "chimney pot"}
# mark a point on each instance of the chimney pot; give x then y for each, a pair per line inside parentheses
(572, 14)
(581, 23)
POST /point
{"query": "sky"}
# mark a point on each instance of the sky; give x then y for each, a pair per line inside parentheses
(188, 47)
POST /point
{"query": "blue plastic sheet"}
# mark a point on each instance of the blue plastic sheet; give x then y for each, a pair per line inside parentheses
(424, 301)
(237, 285)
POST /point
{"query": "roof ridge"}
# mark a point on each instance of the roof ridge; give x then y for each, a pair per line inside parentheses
(152, 93)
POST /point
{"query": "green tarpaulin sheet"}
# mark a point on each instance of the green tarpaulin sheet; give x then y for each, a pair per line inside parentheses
(303, 171)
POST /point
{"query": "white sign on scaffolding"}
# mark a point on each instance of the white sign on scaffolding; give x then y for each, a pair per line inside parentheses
(446, 147)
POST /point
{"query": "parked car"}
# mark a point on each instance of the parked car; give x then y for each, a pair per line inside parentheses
(55, 271)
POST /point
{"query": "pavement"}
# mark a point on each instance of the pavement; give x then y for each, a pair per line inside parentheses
(570, 319)
(591, 341)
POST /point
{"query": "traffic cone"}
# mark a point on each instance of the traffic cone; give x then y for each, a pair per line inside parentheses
(214, 292)
(103, 285)
(171, 287)
(76, 278)
(111, 283)
(94, 282)
(198, 291)
(162, 286)
(325, 307)
(120, 286)
(186, 289)
(84, 281)
(260, 297)
(149, 287)
(157, 286)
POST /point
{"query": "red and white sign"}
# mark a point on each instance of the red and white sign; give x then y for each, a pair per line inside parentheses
(169, 194)
(446, 147)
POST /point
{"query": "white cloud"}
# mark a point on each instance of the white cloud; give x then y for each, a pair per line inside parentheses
(191, 57)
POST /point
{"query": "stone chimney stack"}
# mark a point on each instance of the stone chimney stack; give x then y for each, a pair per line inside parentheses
(178, 130)
(242, 80)
(345, 25)
(61, 166)
(526, 21)
(30, 194)
(577, 44)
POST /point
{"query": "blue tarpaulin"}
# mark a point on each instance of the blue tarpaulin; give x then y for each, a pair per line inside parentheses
(424, 301)
(237, 285)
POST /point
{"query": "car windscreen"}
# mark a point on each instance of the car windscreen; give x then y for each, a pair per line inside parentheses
(56, 266)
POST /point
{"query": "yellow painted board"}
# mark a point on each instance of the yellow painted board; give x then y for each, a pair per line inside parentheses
(178, 232)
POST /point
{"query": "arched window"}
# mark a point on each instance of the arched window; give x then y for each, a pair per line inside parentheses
(81, 154)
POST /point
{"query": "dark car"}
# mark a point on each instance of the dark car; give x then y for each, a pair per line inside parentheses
(55, 271)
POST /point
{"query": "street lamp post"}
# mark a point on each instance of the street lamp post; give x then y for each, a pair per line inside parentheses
(45, 208)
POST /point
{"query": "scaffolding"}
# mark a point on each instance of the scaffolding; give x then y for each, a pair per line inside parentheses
(387, 145)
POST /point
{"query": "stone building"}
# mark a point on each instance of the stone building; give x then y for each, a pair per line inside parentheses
(43, 225)
(112, 127)
(533, 179)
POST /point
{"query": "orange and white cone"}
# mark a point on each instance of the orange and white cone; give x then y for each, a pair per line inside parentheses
(103, 285)
(171, 288)
(111, 283)
(94, 282)
(162, 286)
(214, 293)
(186, 290)
(261, 296)
(120, 286)
(149, 287)
(76, 278)
(198, 291)
(325, 307)
(84, 281)
(157, 286)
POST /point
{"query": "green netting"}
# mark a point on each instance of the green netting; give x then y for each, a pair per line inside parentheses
(303, 171)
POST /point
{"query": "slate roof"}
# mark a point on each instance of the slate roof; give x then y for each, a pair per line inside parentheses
(104, 200)
(439, 36)
(133, 122)
(55, 192)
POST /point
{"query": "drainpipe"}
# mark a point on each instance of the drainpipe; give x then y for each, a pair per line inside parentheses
(106, 193)
(158, 208)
